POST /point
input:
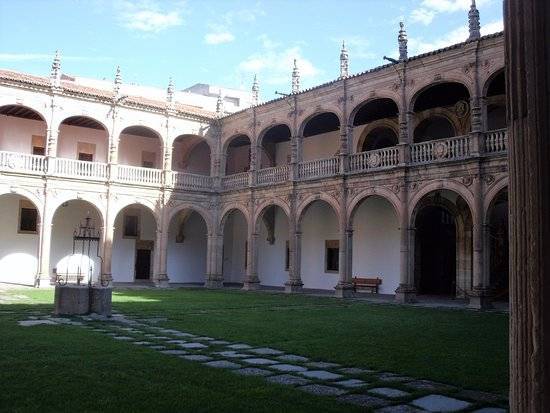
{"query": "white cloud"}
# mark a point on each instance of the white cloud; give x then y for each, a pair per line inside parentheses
(429, 9)
(148, 16)
(492, 27)
(274, 64)
(218, 37)
(358, 47)
(422, 16)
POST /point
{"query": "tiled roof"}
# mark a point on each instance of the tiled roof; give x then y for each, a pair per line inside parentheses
(80, 90)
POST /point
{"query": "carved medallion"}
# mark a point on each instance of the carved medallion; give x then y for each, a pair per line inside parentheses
(462, 108)
(440, 150)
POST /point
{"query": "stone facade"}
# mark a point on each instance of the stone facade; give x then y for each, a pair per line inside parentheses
(461, 173)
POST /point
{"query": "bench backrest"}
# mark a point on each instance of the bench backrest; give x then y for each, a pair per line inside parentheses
(367, 281)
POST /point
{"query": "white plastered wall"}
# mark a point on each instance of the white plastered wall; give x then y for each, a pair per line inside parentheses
(18, 252)
(16, 133)
(186, 261)
(318, 225)
(66, 219)
(131, 148)
(376, 243)
(271, 257)
(234, 244)
(70, 136)
(124, 249)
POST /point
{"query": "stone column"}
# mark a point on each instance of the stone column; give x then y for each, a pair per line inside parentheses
(406, 292)
(108, 241)
(344, 288)
(51, 149)
(295, 156)
(167, 165)
(294, 283)
(214, 256)
(113, 156)
(254, 161)
(45, 238)
(527, 30)
(252, 282)
(161, 246)
(345, 132)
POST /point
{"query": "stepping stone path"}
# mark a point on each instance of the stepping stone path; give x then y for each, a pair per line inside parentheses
(383, 392)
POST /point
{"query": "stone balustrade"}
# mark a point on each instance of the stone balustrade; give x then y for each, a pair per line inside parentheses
(138, 175)
(319, 168)
(449, 149)
(235, 181)
(72, 168)
(496, 141)
(371, 160)
(187, 181)
(22, 162)
(273, 175)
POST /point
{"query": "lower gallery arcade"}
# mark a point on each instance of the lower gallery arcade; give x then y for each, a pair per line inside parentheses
(269, 248)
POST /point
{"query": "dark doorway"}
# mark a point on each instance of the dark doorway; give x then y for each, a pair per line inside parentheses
(435, 249)
(498, 240)
(143, 264)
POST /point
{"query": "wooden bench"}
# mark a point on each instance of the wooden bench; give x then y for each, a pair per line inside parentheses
(366, 284)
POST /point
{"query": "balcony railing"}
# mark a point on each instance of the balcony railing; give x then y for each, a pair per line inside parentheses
(273, 175)
(318, 168)
(371, 160)
(441, 150)
(139, 175)
(496, 141)
(184, 180)
(73, 168)
(22, 162)
(235, 181)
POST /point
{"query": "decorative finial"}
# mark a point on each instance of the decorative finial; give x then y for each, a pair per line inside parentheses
(219, 104)
(295, 78)
(344, 61)
(255, 91)
(118, 81)
(473, 22)
(170, 91)
(402, 40)
(55, 76)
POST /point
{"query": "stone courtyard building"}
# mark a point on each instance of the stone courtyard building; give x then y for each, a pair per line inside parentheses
(399, 172)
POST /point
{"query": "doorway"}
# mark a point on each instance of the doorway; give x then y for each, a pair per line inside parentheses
(143, 264)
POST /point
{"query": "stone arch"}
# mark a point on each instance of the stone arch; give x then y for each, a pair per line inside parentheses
(377, 124)
(227, 210)
(420, 89)
(492, 194)
(140, 124)
(383, 193)
(149, 205)
(268, 143)
(228, 141)
(195, 208)
(371, 99)
(88, 120)
(261, 135)
(316, 112)
(193, 142)
(9, 107)
(489, 79)
(267, 204)
(242, 139)
(306, 203)
(96, 203)
(30, 195)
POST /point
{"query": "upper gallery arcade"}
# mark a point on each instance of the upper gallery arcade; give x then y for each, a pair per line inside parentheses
(399, 172)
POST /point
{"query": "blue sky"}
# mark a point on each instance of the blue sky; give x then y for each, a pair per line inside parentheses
(225, 42)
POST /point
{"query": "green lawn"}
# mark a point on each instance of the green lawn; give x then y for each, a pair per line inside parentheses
(61, 368)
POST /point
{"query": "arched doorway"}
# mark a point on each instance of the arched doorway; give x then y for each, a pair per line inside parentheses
(237, 157)
(275, 146)
(135, 234)
(497, 220)
(186, 250)
(273, 246)
(69, 259)
(235, 247)
(19, 239)
(320, 259)
(443, 245)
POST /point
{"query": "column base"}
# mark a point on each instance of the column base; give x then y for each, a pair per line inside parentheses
(162, 281)
(294, 286)
(251, 285)
(213, 282)
(343, 290)
(405, 294)
(480, 299)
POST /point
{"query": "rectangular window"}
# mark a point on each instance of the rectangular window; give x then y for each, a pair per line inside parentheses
(131, 226)
(287, 256)
(85, 151)
(28, 218)
(245, 255)
(38, 145)
(148, 159)
(332, 255)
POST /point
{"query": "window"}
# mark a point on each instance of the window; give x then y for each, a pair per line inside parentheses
(148, 159)
(287, 256)
(28, 218)
(246, 254)
(131, 226)
(332, 252)
(38, 145)
(85, 151)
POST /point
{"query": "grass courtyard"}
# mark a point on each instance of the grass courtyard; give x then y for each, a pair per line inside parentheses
(67, 368)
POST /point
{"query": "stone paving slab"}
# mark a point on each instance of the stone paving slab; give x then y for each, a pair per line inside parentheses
(322, 390)
(253, 371)
(429, 385)
(400, 408)
(123, 338)
(219, 342)
(175, 352)
(239, 346)
(192, 345)
(322, 365)
(438, 403)
(160, 338)
(233, 354)
(392, 377)
(389, 392)
(260, 361)
(182, 334)
(288, 379)
(176, 341)
(31, 323)
(479, 396)
(351, 383)
(354, 370)
(142, 343)
(321, 375)
(292, 358)
(223, 364)
(159, 347)
(490, 410)
(288, 368)
(363, 400)
(197, 357)
(266, 351)
(204, 338)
